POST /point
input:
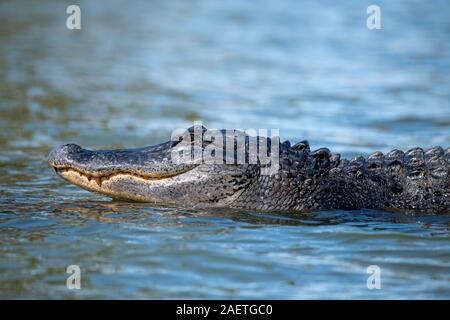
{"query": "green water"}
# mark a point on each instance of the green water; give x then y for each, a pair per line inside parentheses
(130, 76)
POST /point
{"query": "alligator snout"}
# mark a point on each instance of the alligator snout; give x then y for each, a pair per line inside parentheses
(64, 155)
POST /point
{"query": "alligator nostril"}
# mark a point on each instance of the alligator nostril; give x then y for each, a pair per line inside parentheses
(61, 155)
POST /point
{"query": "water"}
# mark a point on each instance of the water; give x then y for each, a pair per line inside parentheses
(132, 75)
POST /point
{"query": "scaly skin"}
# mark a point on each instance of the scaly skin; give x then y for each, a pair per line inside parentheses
(306, 181)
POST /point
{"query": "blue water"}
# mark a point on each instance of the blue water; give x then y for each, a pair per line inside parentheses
(137, 70)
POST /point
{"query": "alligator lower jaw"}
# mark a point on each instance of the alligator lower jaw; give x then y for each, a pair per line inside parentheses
(108, 184)
(73, 175)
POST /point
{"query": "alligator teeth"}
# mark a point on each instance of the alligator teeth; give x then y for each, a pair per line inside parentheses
(100, 179)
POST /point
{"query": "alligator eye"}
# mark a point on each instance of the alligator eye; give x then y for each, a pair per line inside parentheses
(175, 142)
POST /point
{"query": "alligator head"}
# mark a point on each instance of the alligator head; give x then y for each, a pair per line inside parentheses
(163, 173)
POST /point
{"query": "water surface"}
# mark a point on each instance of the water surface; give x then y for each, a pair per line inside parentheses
(131, 76)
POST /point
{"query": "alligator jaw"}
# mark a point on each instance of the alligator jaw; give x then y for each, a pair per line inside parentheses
(99, 178)
(103, 183)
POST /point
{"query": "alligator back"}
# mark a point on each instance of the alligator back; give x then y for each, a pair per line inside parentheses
(415, 180)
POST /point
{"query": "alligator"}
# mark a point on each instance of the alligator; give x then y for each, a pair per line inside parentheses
(304, 180)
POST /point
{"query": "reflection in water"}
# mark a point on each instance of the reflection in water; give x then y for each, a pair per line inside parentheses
(130, 77)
